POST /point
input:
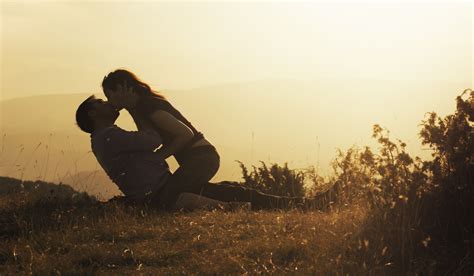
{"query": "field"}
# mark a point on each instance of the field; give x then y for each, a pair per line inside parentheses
(75, 234)
(381, 213)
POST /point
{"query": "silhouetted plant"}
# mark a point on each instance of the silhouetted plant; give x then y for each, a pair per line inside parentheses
(452, 140)
(425, 204)
(277, 180)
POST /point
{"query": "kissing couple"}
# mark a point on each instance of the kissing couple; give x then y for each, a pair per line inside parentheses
(136, 160)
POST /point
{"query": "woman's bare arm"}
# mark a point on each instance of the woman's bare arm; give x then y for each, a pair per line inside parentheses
(182, 133)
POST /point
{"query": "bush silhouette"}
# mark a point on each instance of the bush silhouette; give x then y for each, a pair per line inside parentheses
(277, 180)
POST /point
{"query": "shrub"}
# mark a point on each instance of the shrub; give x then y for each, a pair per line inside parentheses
(277, 180)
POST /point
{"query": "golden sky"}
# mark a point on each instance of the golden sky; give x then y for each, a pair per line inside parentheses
(364, 49)
(67, 47)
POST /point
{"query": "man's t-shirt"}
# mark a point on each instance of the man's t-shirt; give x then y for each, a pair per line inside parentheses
(129, 160)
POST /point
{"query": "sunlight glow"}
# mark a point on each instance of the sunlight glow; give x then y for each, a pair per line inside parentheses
(297, 75)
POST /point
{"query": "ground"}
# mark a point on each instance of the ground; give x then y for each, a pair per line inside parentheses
(51, 230)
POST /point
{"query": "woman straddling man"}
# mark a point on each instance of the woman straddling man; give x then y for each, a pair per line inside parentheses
(197, 158)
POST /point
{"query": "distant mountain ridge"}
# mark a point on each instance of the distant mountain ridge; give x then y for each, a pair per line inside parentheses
(43, 113)
(40, 189)
(300, 122)
(95, 183)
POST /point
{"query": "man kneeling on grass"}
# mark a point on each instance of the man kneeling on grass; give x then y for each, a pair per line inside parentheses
(129, 159)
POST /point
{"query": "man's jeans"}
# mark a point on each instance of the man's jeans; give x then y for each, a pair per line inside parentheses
(193, 177)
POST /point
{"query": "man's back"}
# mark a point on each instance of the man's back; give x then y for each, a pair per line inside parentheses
(129, 160)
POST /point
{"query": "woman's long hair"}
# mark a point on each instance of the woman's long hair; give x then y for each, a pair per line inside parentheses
(120, 75)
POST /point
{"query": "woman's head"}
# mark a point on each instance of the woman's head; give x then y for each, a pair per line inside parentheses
(113, 80)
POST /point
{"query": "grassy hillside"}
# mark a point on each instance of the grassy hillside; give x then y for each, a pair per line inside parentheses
(76, 234)
(385, 213)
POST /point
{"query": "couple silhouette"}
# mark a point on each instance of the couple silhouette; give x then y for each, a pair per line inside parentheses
(136, 160)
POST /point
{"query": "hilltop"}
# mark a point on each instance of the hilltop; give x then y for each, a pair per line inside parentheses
(73, 233)
(385, 213)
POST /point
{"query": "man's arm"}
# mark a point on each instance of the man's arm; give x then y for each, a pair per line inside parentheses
(121, 141)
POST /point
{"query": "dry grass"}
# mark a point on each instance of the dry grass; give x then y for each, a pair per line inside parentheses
(56, 237)
(389, 214)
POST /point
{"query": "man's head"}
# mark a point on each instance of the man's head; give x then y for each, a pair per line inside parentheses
(93, 113)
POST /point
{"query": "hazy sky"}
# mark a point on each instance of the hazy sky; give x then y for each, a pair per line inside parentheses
(426, 48)
(67, 47)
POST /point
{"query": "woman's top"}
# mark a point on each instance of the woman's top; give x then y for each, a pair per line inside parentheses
(149, 104)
